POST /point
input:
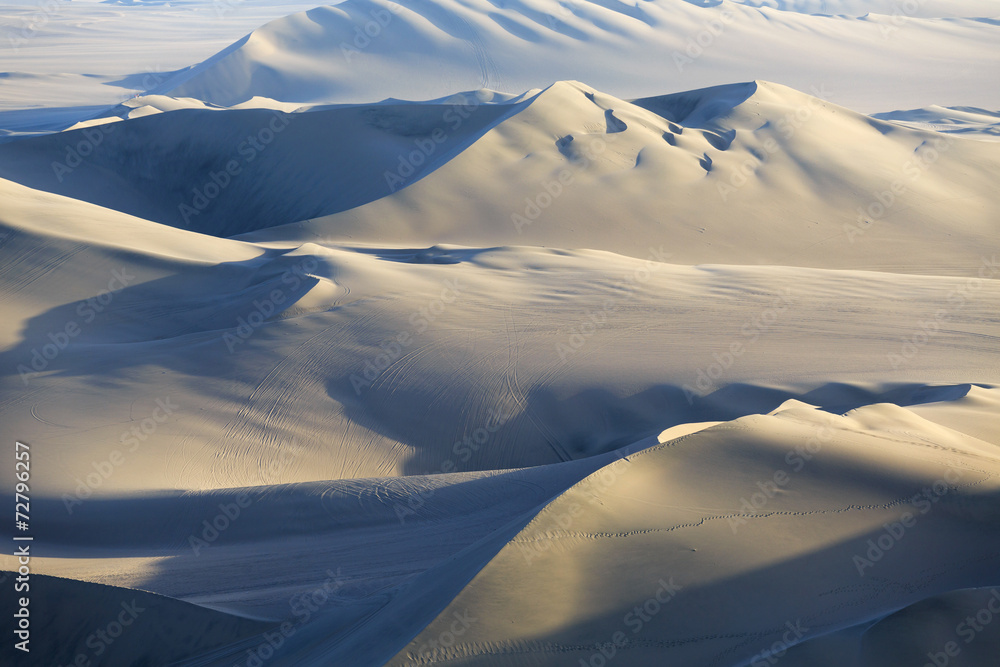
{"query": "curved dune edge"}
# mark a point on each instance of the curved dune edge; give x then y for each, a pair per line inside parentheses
(110, 625)
(955, 627)
(369, 50)
(569, 166)
(654, 522)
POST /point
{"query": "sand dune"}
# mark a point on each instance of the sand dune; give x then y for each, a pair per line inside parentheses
(368, 50)
(699, 173)
(651, 347)
(58, 74)
(573, 162)
(90, 623)
(335, 351)
(959, 120)
(795, 549)
(651, 508)
(249, 168)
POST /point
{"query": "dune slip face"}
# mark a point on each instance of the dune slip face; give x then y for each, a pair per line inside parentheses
(512, 333)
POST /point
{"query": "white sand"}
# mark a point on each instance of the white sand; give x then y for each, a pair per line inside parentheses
(466, 381)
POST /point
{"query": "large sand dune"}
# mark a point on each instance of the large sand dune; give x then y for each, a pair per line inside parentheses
(615, 358)
(367, 50)
(698, 173)
(653, 532)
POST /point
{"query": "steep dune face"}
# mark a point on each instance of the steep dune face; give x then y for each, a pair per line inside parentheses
(95, 624)
(374, 535)
(368, 50)
(744, 173)
(89, 55)
(225, 173)
(705, 173)
(826, 522)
